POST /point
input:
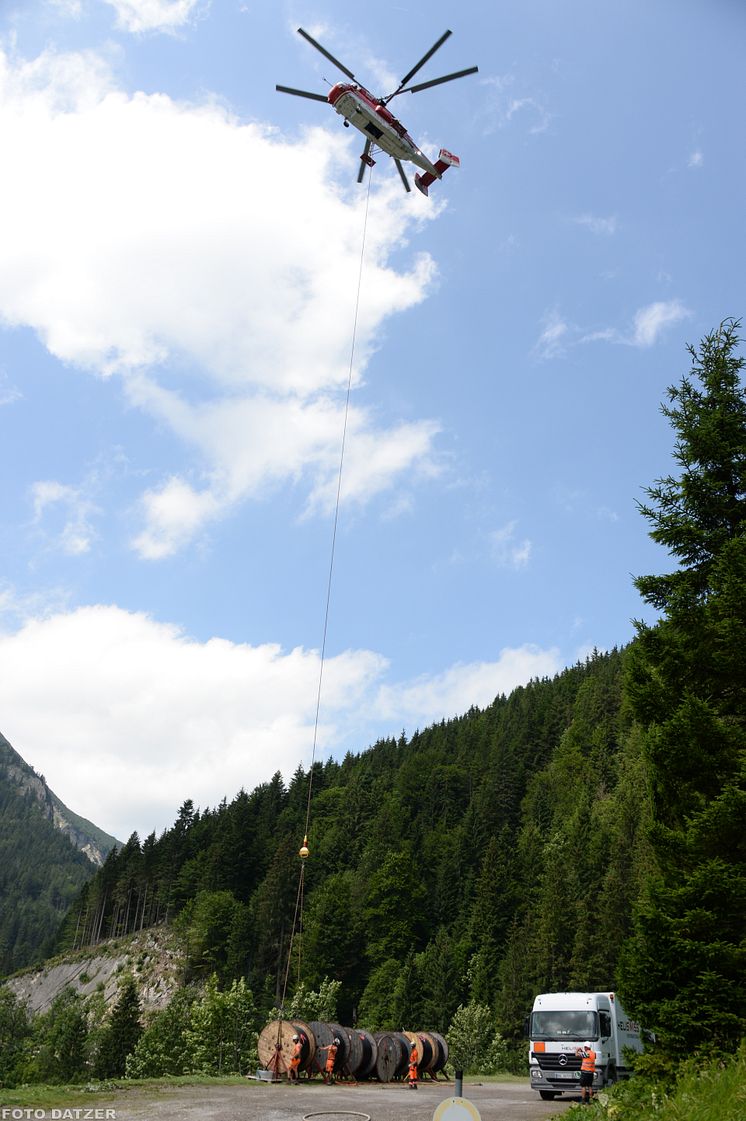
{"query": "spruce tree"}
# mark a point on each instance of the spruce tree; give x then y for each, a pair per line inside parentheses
(684, 967)
(121, 1033)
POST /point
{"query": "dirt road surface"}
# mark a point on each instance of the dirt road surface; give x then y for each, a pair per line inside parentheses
(496, 1101)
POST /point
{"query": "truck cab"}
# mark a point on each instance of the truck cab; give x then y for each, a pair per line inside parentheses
(560, 1023)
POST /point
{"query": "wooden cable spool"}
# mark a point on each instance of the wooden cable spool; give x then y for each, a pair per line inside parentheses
(442, 1058)
(414, 1041)
(354, 1053)
(390, 1051)
(275, 1046)
(307, 1041)
(403, 1066)
(369, 1049)
(360, 1054)
(428, 1051)
(323, 1035)
(343, 1051)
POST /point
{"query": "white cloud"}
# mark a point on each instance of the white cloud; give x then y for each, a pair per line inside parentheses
(253, 442)
(454, 691)
(648, 325)
(502, 106)
(597, 225)
(76, 534)
(141, 235)
(696, 159)
(173, 515)
(71, 9)
(126, 717)
(650, 321)
(8, 392)
(153, 15)
(507, 550)
(553, 338)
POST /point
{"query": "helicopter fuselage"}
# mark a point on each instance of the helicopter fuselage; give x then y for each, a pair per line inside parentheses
(377, 124)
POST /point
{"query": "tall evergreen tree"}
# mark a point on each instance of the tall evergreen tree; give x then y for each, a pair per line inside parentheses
(684, 968)
(121, 1033)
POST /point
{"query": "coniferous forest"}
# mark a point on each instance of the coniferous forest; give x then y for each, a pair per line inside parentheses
(584, 832)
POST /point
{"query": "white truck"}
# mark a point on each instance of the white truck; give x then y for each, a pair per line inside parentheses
(560, 1023)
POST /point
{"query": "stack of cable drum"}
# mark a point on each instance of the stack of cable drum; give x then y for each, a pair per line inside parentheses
(361, 1054)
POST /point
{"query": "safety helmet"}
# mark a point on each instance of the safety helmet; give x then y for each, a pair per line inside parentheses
(295, 1039)
(337, 1041)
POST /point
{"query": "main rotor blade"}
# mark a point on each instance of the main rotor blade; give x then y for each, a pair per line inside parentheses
(363, 165)
(425, 57)
(439, 81)
(403, 175)
(326, 53)
(301, 93)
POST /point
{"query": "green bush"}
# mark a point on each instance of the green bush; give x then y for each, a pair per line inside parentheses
(222, 1034)
(162, 1048)
(475, 1045)
(711, 1091)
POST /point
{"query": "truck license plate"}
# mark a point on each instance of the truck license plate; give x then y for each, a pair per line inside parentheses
(564, 1074)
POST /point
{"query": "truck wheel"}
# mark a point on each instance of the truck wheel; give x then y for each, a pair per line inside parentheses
(547, 1095)
(611, 1075)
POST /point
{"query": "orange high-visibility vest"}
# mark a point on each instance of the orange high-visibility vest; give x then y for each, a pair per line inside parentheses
(589, 1061)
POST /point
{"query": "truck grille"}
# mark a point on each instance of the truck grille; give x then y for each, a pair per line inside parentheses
(558, 1061)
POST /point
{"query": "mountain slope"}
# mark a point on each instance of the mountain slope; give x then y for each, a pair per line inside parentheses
(47, 853)
(451, 866)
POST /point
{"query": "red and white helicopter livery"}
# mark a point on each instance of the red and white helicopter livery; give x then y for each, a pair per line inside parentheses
(371, 116)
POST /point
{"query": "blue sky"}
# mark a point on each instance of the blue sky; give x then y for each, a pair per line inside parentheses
(179, 259)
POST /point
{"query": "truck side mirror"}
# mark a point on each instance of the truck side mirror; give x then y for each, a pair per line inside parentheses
(526, 1024)
(605, 1025)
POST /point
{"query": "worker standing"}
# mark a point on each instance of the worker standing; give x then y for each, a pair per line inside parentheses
(587, 1070)
(331, 1058)
(413, 1067)
(295, 1057)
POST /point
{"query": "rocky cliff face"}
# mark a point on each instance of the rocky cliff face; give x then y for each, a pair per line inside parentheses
(153, 956)
(84, 834)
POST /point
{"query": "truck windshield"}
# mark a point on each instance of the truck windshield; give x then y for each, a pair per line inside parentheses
(568, 1024)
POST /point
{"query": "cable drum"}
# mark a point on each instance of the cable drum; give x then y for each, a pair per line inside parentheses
(428, 1049)
(369, 1049)
(442, 1056)
(323, 1035)
(390, 1050)
(343, 1050)
(354, 1054)
(403, 1066)
(275, 1045)
(360, 1054)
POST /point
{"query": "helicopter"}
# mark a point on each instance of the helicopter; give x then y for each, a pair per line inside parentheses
(371, 116)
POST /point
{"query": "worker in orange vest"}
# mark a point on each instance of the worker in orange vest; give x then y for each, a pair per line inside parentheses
(413, 1067)
(295, 1057)
(587, 1070)
(331, 1058)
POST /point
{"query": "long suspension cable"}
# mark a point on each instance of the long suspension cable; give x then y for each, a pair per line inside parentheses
(336, 506)
(301, 879)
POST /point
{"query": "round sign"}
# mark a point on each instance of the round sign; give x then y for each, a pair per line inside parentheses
(456, 1109)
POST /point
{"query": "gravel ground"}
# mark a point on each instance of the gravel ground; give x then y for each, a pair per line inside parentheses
(496, 1101)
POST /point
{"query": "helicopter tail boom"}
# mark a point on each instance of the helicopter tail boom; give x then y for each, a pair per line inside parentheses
(445, 160)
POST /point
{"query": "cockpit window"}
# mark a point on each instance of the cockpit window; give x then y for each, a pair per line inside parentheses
(571, 1025)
